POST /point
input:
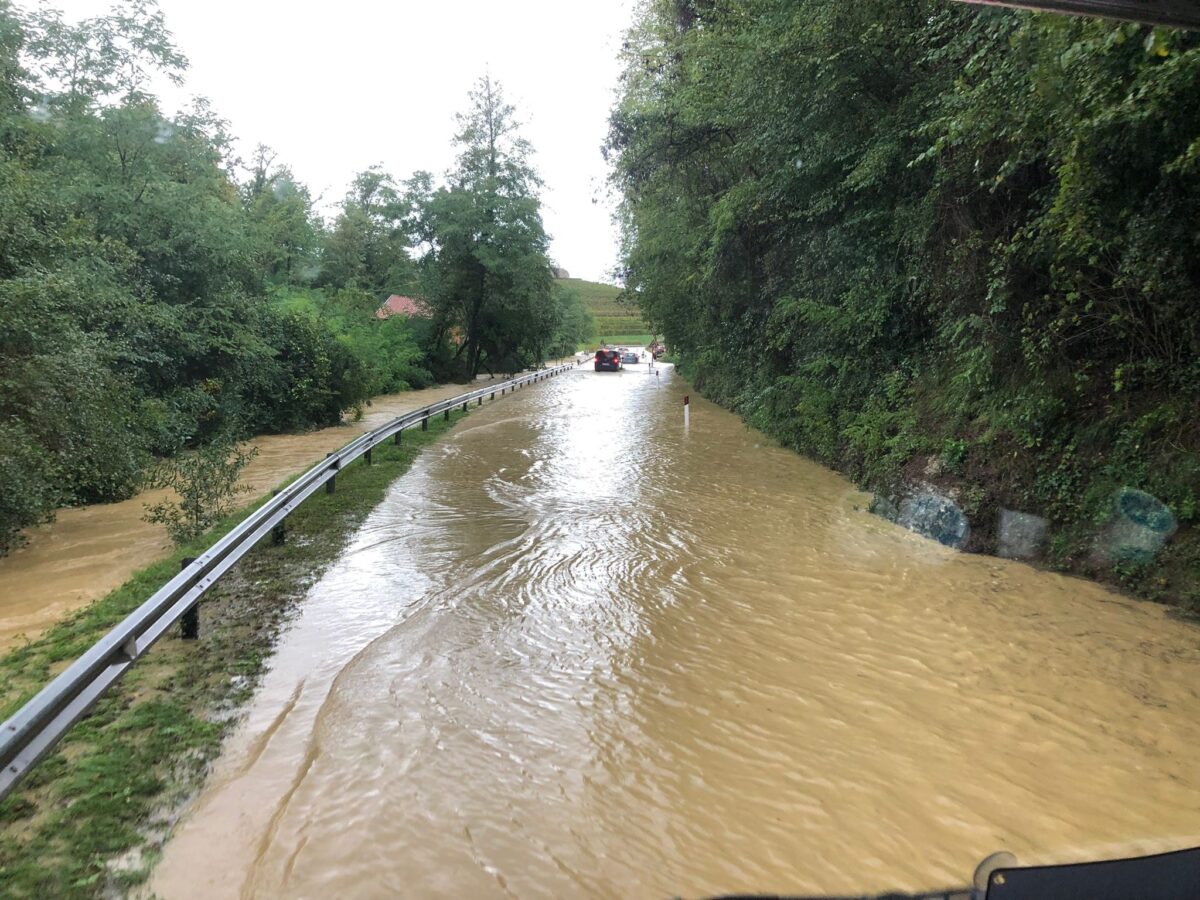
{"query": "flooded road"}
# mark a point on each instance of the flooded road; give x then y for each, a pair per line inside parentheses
(578, 652)
(90, 550)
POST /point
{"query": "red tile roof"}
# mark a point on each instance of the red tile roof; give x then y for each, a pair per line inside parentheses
(396, 305)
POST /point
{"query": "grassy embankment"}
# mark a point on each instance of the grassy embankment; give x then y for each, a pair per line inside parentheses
(616, 323)
(90, 820)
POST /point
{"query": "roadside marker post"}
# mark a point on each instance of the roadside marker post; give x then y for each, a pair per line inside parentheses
(687, 406)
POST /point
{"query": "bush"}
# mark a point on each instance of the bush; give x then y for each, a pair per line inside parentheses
(29, 494)
(205, 482)
(85, 421)
(312, 377)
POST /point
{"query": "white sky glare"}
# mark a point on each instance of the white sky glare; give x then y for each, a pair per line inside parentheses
(336, 87)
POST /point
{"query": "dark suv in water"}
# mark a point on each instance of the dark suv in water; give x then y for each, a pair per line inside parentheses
(608, 361)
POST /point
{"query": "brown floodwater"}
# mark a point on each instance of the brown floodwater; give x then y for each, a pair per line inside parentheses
(580, 652)
(90, 550)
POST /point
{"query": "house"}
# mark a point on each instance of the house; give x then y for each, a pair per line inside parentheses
(396, 305)
(414, 308)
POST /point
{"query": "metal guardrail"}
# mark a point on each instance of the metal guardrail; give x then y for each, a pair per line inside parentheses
(1177, 13)
(37, 726)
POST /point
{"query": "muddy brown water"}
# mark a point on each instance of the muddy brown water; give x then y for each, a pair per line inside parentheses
(578, 652)
(90, 550)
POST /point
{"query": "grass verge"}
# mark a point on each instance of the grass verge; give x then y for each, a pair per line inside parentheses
(90, 820)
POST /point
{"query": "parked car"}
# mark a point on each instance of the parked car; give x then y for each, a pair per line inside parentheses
(608, 360)
(629, 357)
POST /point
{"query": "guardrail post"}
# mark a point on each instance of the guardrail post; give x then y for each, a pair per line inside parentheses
(446, 416)
(493, 397)
(480, 402)
(425, 424)
(465, 402)
(189, 625)
(396, 439)
(367, 455)
(279, 532)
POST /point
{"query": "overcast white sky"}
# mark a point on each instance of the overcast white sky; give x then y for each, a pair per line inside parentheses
(337, 86)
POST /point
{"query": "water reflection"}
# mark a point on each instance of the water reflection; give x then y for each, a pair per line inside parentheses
(580, 652)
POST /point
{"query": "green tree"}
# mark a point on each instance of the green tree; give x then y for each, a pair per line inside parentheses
(574, 322)
(486, 271)
(368, 244)
(133, 319)
(282, 224)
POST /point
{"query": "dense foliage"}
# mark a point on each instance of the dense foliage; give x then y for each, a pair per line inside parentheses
(893, 231)
(157, 294)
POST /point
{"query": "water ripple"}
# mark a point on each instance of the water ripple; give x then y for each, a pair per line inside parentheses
(581, 652)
